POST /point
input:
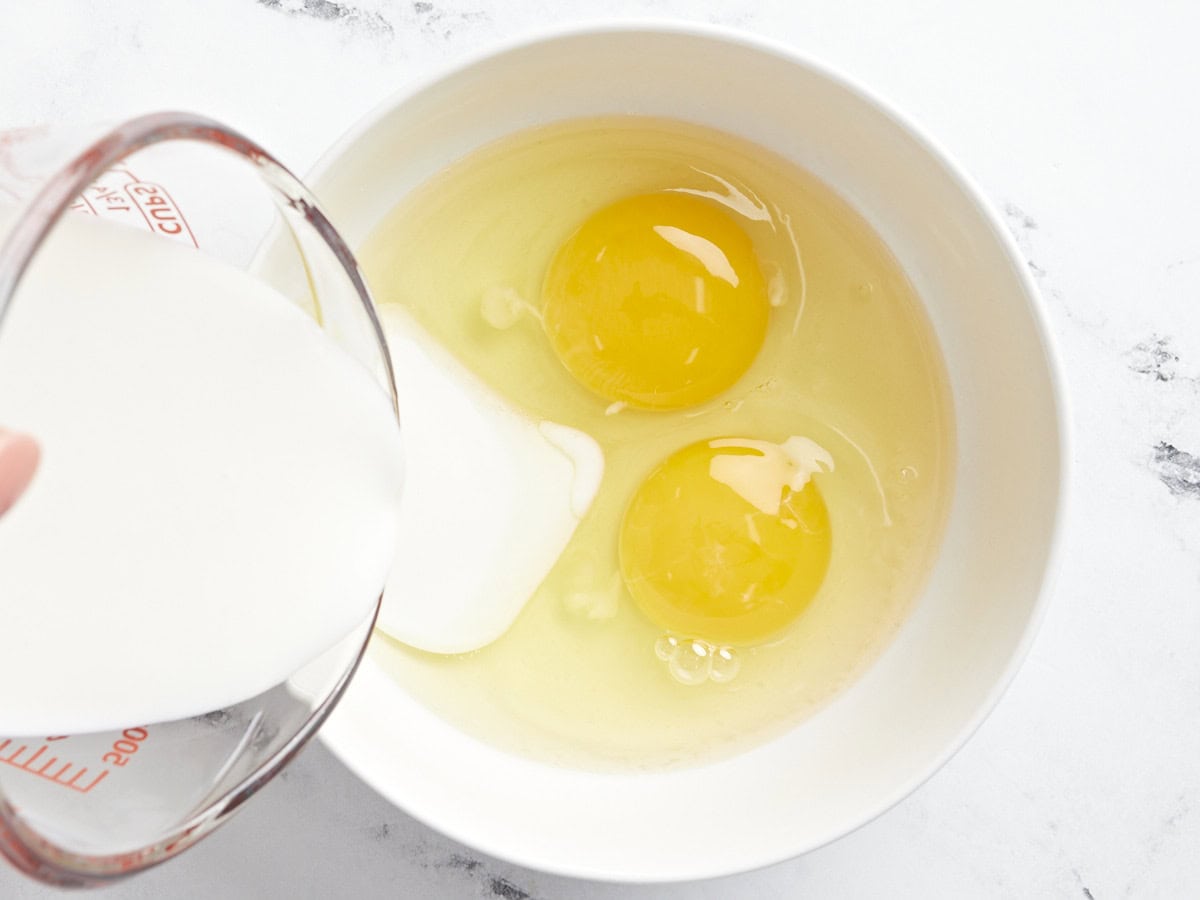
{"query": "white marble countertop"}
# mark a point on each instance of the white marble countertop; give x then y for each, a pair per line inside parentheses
(1079, 121)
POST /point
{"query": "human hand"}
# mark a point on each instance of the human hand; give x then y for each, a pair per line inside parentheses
(19, 455)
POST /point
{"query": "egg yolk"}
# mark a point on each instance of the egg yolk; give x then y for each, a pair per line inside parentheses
(657, 301)
(713, 547)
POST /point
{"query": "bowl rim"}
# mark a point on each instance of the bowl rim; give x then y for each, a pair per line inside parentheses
(1034, 303)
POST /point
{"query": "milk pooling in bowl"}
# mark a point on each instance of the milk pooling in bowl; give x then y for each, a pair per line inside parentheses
(492, 498)
(217, 500)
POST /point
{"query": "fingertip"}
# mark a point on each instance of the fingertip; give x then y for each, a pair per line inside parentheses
(19, 457)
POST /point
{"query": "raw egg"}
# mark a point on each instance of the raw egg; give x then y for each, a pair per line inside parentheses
(728, 540)
(656, 301)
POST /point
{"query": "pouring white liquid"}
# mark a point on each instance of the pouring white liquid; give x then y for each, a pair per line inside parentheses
(492, 499)
(218, 495)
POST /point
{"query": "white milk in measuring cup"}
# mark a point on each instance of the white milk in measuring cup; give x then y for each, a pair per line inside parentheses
(215, 510)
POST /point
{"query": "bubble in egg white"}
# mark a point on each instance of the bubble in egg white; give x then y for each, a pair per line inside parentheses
(666, 647)
(692, 661)
(725, 665)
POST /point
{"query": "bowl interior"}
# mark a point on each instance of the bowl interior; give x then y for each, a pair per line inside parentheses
(891, 729)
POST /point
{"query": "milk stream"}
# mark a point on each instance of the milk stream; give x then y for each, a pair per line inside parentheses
(218, 496)
(491, 500)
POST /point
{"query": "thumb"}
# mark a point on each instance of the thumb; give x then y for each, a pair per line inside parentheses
(19, 456)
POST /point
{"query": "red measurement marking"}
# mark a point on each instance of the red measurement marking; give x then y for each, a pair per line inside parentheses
(81, 204)
(68, 774)
(160, 211)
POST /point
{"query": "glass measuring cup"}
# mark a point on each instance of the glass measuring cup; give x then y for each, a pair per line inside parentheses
(87, 809)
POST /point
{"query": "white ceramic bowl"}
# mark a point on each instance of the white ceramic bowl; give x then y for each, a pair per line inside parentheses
(952, 659)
